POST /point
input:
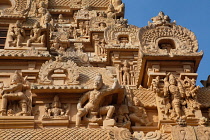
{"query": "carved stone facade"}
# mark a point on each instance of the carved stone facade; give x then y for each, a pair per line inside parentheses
(78, 67)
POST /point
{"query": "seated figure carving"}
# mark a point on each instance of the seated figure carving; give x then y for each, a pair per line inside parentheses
(15, 93)
(36, 35)
(16, 35)
(93, 99)
(139, 115)
(56, 110)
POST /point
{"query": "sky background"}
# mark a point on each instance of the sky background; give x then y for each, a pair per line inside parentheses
(192, 14)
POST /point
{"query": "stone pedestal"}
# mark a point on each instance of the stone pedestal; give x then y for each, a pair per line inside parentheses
(109, 123)
(16, 122)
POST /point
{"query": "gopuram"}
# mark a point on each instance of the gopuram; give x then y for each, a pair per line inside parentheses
(76, 70)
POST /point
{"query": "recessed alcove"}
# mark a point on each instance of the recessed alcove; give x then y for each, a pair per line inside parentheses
(167, 44)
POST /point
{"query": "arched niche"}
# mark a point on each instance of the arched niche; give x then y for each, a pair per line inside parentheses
(166, 44)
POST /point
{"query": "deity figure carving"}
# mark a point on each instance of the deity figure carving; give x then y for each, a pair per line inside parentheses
(16, 34)
(191, 96)
(86, 28)
(15, 102)
(154, 85)
(116, 8)
(42, 9)
(122, 119)
(125, 72)
(118, 5)
(55, 110)
(75, 33)
(89, 105)
(36, 35)
(102, 50)
(57, 46)
(138, 115)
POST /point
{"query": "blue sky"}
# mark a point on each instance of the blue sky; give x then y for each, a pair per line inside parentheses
(192, 14)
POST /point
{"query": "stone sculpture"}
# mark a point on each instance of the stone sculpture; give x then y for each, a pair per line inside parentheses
(93, 99)
(36, 35)
(16, 35)
(16, 92)
(55, 110)
(138, 114)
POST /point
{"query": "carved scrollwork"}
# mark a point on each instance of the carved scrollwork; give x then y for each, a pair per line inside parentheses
(67, 70)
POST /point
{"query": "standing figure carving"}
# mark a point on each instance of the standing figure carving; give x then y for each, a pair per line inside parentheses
(125, 70)
(36, 35)
(16, 34)
(15, 92)
(89, 104)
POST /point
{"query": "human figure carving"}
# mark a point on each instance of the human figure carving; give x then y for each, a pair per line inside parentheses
(36, 35)
(125, 73)
(138, 115)
(122, 119)
(57, 46)
(93, 99)
(118, 5)
(175, 89)
(56, 110)
(16, 34)
(15, 92)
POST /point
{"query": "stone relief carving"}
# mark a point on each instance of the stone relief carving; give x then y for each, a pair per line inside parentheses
(56, 110)
(122, 117)
(15, 99)
(16, 35)
(89, 106)
(68, 71)
(36, 35)
(149, 136)
(177, 98)
(138, 114)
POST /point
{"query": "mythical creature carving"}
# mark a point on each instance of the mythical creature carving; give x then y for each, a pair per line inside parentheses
(15, 100)
(89, 106)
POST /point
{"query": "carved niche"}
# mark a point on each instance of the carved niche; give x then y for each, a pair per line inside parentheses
(165, 37)
(59, 72)
(121, 35)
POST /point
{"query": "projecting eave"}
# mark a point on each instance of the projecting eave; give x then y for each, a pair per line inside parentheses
(143, 58)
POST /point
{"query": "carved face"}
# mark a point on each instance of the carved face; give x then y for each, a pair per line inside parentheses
(98, 82)
(136, 101)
